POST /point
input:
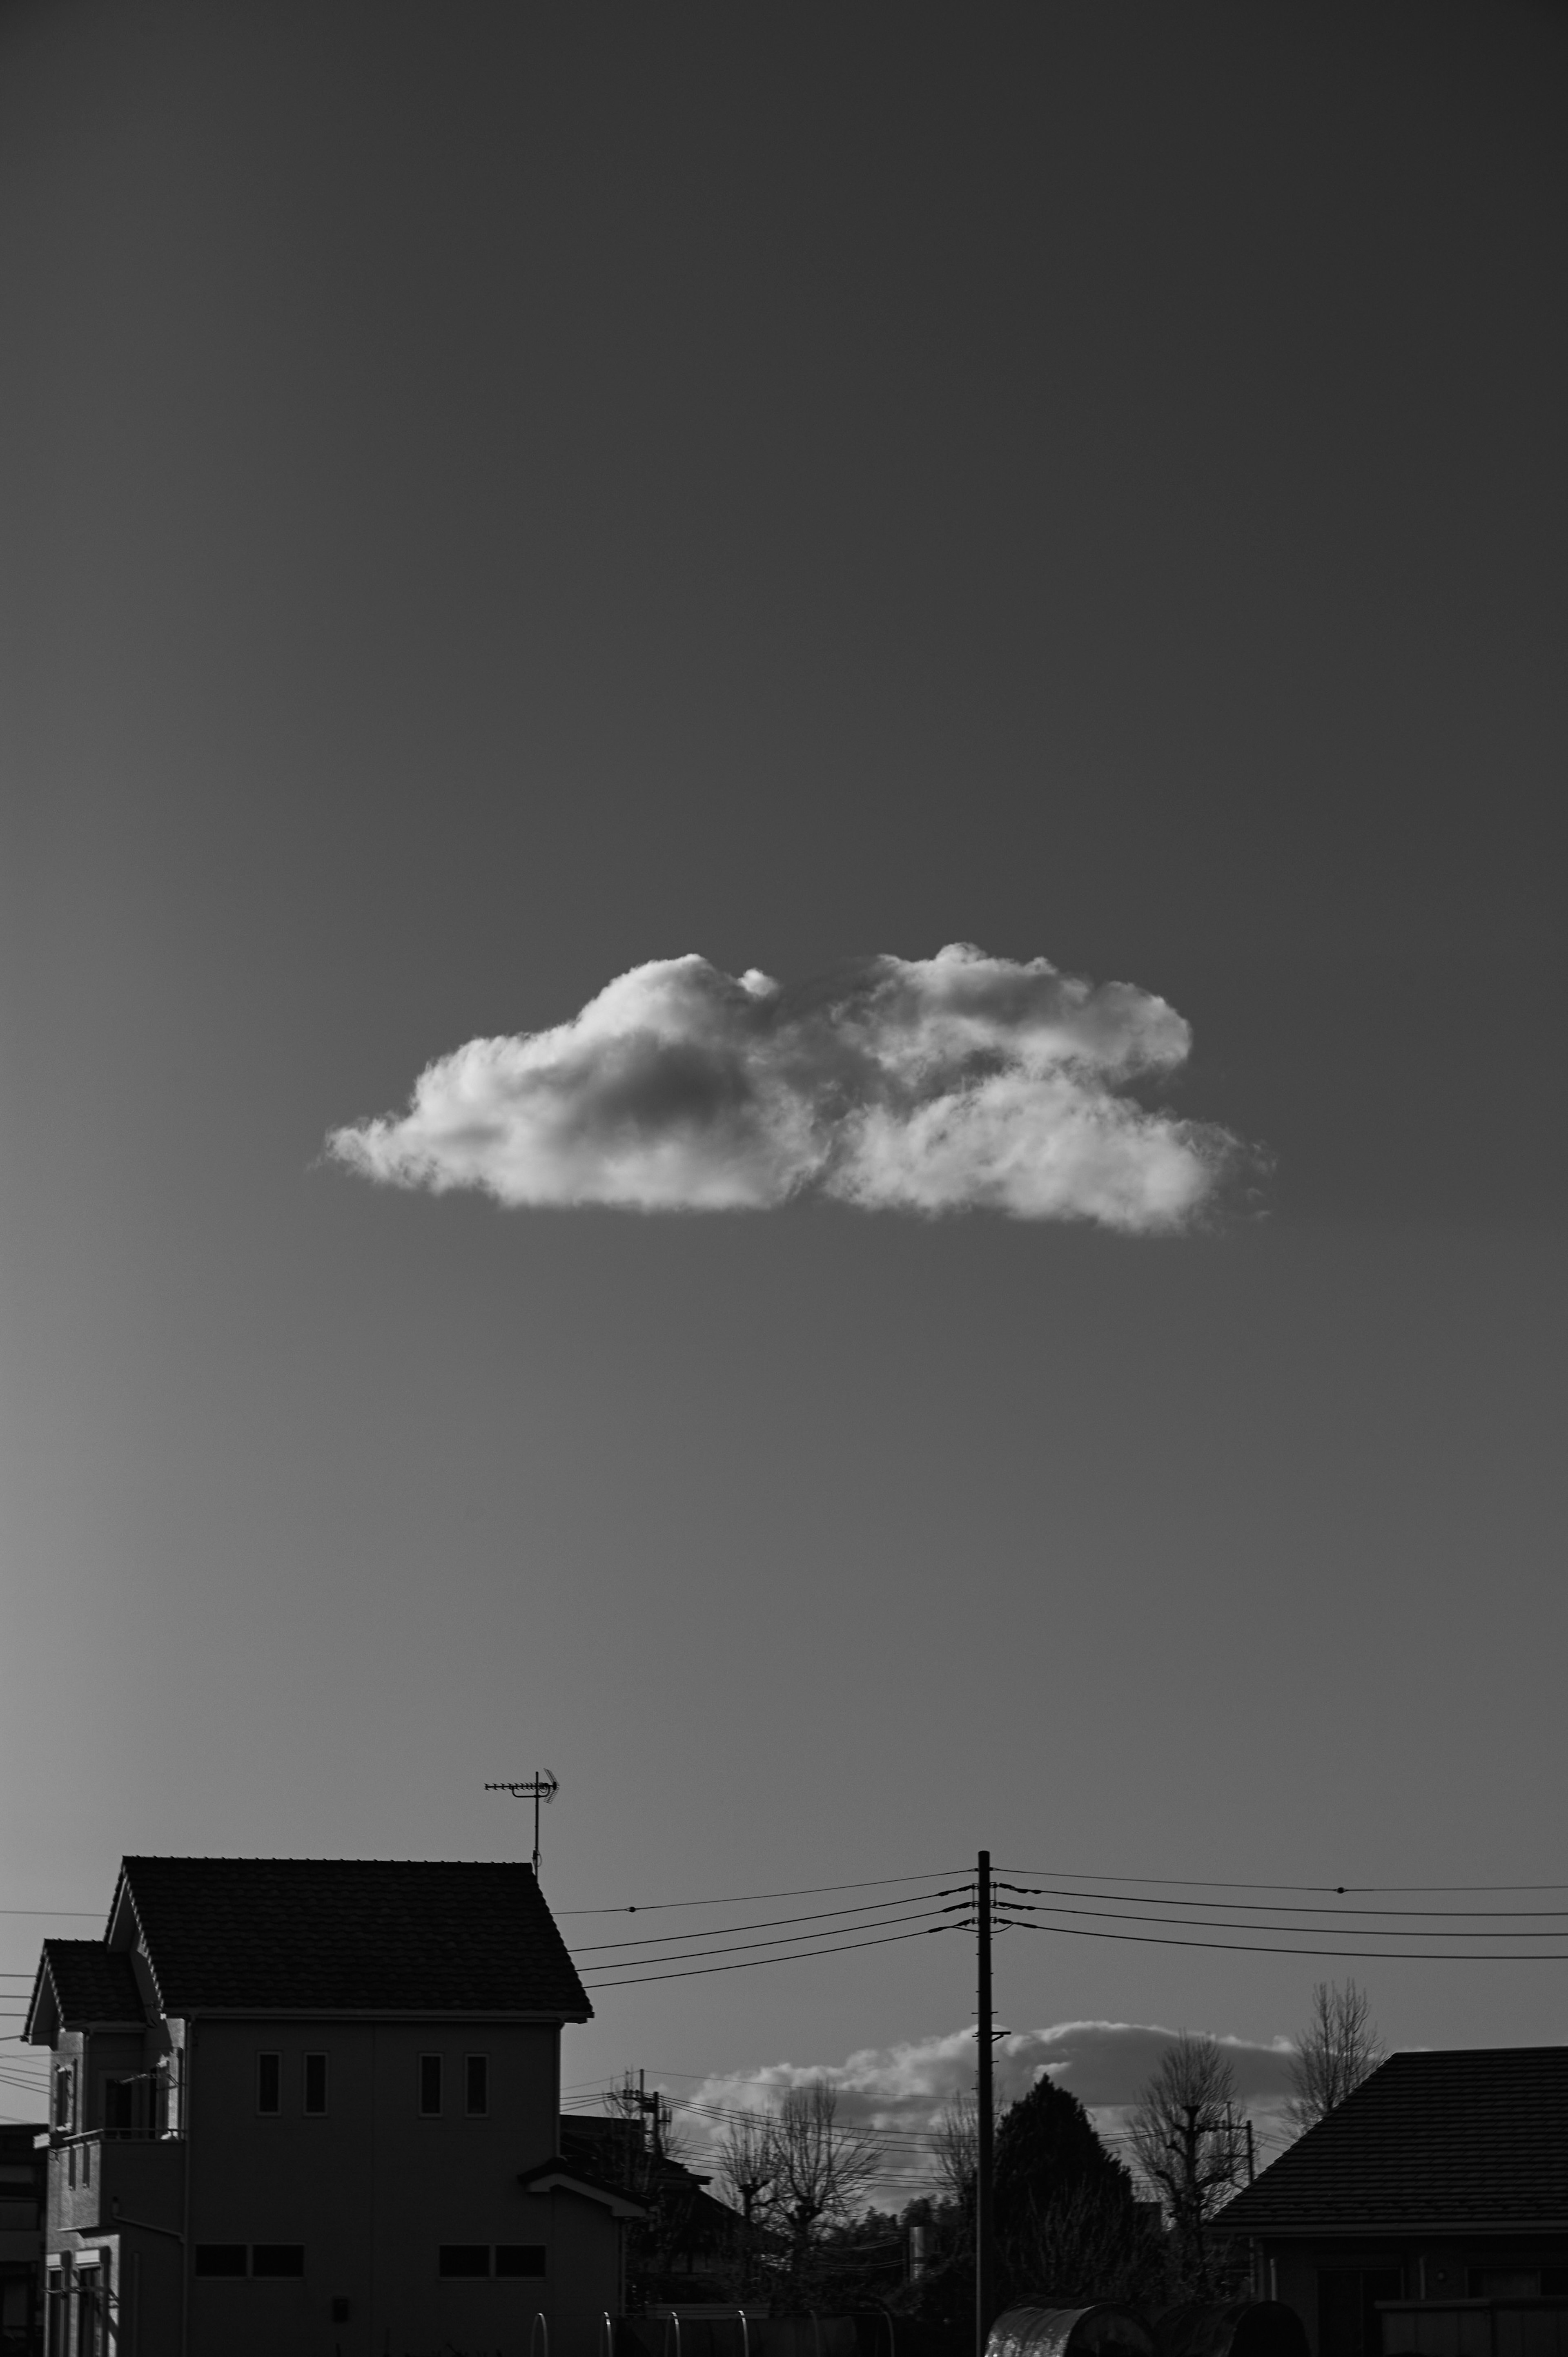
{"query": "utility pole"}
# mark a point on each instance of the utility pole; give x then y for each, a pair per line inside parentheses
(534, 1788)
(984, 2143)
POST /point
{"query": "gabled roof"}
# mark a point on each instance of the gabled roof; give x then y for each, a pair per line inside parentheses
(82, 1984)
(319, 1935)
(1472, 2138)
(560, 2175)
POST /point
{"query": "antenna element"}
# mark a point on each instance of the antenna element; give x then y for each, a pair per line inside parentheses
(534, 1788)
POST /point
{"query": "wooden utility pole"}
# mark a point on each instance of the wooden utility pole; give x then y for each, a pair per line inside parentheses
(984, 2142)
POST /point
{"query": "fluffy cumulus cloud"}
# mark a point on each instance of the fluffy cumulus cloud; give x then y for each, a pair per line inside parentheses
(1104, 2063)
(927, 1084)
(902, 2091)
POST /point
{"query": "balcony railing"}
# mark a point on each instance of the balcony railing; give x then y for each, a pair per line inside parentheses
(91, 2172)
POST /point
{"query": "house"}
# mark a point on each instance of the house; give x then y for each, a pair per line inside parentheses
(313, 2105)
(21, 2240)
(1442, 2181)
(691, 2247)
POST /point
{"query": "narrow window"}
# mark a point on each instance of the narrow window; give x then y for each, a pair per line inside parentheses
(220, 2258)
(65, 2097)
(465, 2259)
(277, 2259)
(315, 2084)
(91, 2317)
(475, 2085)
(520, 2258)
(269, 2083)
(430, 2087)
(87, 2164)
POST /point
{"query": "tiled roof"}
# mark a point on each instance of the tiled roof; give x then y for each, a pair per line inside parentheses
(91, 1983)
(1474, 2136)
(305, 1935)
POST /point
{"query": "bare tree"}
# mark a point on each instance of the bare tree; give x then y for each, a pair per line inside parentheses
(1338, 2049)
(821, 2170)
(1190, 2143)
(955, 2142)
(748, 2167)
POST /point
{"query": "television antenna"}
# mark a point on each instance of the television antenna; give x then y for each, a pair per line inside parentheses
(535, 1788)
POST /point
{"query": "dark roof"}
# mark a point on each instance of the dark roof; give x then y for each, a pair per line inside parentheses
(91, 1983)
(1477, 2136)
(562, 2170)
(315, 1936)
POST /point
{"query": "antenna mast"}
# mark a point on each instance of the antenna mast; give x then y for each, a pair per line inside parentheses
(535, 1788)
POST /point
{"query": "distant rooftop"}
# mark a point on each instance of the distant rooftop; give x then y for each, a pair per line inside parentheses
(1476, 2136)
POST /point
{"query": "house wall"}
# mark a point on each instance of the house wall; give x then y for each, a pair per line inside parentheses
(372, 2189)
(1427, 2267)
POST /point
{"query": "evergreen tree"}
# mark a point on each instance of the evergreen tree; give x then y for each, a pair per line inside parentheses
(1069, 2227)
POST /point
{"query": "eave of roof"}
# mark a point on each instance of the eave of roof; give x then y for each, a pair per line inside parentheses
(558, 2175)
(1340, 2230)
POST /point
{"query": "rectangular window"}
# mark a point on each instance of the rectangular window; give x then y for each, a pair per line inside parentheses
(477, 2085)
(220, 2258)
(269, 2083)
(120, 2106)
(465, 2259)
(430, 2086)
(87, 2164)
(315, 2084)
(520, 2258)
(65, 2097)
(90, 2313)
(277, 2259)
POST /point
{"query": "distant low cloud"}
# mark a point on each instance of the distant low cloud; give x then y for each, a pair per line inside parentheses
(952, 1083)
(1104, 2063)
(902, 2089)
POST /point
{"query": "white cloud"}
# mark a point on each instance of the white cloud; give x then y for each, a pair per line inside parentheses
(902, 2089)
(930, 1085)
(1104, 2063)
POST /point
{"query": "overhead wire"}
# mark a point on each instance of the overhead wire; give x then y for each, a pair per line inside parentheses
(1255, 1948)
(778, 1939)
(819, 1915)
(1267, 1907)
(751, 1898)
(750, 1962)
(1365, 1931)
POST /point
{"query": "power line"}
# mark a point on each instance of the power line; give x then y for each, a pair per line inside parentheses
(887, 1941)
(1245, 1948)
(1334, 1889)
(749, 1898)
(786, 1940)
(95, 1914)
(1265, 1907)
(1367, 1931)
(663, 1939)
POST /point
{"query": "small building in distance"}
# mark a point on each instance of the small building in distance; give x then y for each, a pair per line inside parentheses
(1441, 2184)
(21, 2240)
(313, 2105)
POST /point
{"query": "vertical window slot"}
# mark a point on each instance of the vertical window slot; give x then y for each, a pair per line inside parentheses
(430, 2086)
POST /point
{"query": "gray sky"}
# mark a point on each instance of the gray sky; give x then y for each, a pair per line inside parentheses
(498, 497)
